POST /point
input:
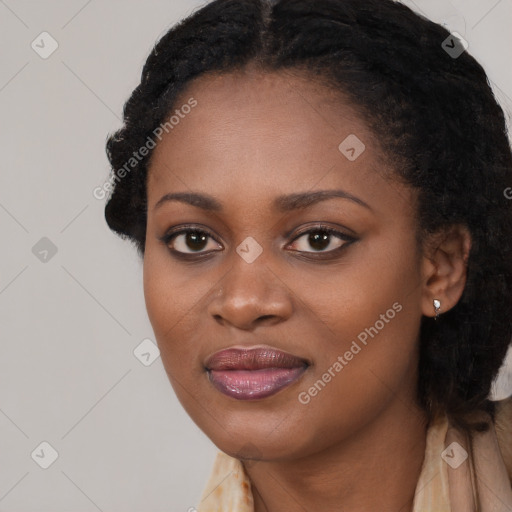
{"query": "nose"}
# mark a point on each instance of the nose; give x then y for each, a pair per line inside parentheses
(249, 295)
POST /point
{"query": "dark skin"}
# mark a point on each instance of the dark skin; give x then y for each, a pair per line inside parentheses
(359, 444)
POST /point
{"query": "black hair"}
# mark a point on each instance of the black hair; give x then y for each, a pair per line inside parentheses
(432, 110)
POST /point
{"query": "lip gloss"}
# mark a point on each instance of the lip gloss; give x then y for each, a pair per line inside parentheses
(251, 374)
(254, 384)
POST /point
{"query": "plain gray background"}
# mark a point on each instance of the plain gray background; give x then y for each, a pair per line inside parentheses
(70, 323)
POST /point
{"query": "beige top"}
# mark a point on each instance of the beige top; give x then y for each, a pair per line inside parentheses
(447, 481)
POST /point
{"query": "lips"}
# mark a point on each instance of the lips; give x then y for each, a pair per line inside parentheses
(253, 359)
(250, 374)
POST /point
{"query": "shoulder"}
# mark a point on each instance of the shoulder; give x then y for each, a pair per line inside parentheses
(503, 424)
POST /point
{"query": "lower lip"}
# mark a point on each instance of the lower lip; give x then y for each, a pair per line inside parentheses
(253, 384)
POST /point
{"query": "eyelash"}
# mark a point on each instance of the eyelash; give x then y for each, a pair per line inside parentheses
(320, 228)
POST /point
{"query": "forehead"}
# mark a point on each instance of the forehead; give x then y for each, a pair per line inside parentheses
(255, 133)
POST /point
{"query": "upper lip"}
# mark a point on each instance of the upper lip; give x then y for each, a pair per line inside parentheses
(253, 359)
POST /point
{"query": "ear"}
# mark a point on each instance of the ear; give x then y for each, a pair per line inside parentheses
(444, 268)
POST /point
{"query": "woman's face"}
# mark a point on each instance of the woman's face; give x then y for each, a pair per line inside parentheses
(259, 148)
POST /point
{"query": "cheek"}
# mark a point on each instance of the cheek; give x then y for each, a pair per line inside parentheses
(343, 300)
(169, 291)
(170, 301)
(367, 312)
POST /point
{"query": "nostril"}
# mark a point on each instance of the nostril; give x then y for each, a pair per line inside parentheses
(219, 319)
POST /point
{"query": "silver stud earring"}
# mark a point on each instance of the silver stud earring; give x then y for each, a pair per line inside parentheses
(437, 307)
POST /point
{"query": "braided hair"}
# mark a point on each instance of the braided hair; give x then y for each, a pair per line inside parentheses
(435, 116)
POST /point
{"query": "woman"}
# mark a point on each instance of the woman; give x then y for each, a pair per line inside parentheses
(317, 190)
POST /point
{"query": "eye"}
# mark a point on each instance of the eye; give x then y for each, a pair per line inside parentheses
(322, 238)
(189, 241)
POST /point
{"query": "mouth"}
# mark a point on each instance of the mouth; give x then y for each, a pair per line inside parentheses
(252, 374)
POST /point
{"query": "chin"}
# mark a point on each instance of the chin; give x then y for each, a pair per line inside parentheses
(261, 444)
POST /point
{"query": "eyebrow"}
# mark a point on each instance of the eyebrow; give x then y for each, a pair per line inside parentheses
(282, 204)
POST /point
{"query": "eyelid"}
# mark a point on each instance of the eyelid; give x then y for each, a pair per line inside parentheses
(323, 227)
(323, 255)
(318, 227)
(186, 228)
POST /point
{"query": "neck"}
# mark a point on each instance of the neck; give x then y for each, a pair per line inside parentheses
(377, 468)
